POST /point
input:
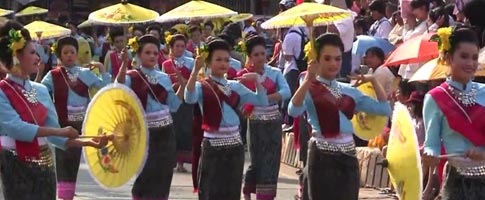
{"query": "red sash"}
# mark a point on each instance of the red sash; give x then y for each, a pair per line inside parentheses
(161, 58)
(28, 112)
(191, 47)
(213, 99)
(328, 107)
(142, 88)
(269, 84)
(231, 74)
(468, 121)
(116, 63)
(61, 91)
(169, 68)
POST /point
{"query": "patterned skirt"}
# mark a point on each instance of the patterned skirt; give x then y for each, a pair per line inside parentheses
(183, 132)
(330, 175)
(265, 152)
(221, 171)
(23, 180)
(459, 187)
(156, 177)
(67, 166)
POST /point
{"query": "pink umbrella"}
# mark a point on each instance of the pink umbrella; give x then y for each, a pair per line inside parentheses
(415, 50)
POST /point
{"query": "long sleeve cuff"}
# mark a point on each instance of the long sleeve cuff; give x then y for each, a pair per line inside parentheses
(295, 111)
(58, 142)
(432, 151)
(190, 97)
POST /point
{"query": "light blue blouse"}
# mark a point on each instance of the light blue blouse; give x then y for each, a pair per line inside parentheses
(362, 102)
(437, 128)
(229, 116)
(163, 79)
(86, 76)
(235, 64)
(13, 126)
(277, 77)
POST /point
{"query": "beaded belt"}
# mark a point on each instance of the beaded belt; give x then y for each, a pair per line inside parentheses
(225, 142)
(478, 171)
(159, 119)
(75, 113)
(269, 116)
(45, 159)
(468, 168)
(347, 148)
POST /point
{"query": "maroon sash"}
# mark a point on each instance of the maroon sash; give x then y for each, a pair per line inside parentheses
(468, 121)
(169, 68)
(161, 58)
(269, 84)
(28, 112)
(328, 107)
(142, 88)
(191, 47)
(213, 99)
(231, 74)
(61, 91)
(116, 63)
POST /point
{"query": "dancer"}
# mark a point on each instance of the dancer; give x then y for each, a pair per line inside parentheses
(453, 117)
(69, 86)
(113, 60)
(28, 120)
(332, 170)
(222, 161)
(264, 130)
(179, 64)
(154, 89)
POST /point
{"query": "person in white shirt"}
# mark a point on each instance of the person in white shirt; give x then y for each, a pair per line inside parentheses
(382, 26)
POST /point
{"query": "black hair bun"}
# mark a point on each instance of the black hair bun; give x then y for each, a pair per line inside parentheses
(148, 39)
(64, 41)
(254, 41)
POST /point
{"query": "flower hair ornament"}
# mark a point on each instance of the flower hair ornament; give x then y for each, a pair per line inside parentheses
(17, 41)
(53, 47)
(241, 47)
(443, 38)
(203, 51)
(168, 38)
(309, 51)
(134, 46)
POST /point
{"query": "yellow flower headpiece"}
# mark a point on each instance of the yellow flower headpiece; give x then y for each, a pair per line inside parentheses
(309, 51)
(53, 47)
(133, 44)
(17, 41)
(241, 47)
(168, 38)
(443, 38)
(203, 51)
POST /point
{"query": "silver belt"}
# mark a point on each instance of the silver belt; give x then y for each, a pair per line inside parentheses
(225, 142)
(475, 172)
(45, 158)
(266, 116)
(347, 148)
(161, 123)
(75, 117)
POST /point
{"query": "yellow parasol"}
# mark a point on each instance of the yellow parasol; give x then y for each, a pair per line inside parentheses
(31, 10)
(196, 10)
(434, 70)
(241, 17)
(181, 28)
(44, 30)
(122, 14)
(4, 12)
(404, 160)
(309, 15)
(368, 126)
(85, 24)
(116, 110)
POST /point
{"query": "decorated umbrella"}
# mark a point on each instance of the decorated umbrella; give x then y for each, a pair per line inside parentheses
(434, 70)
(122, 14)
(196, 10)
(241, 17)
(4, 12)
(44, 30)
(415, 50)
(117, 111)
(31, 10)
(364, 42)
(368, 126)
(403, 158)
(309, 15)
(85, 24)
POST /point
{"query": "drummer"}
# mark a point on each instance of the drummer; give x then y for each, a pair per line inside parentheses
(154, 89)
(69, 86)
(453, 117)
(28, 120)
(332, 170)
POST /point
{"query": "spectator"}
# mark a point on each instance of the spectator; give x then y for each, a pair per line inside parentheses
(374, 59)
(360, 26)
(390, 9)
(437, 19)
(396, 34)
(381, 26)
(207, 31)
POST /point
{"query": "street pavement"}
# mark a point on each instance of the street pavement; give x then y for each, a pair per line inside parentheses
(88, 189)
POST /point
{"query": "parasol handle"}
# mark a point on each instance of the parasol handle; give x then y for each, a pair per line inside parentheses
(309, 25)
(450, 156)
(92, 136)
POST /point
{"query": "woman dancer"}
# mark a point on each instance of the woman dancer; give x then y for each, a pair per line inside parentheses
(332, 170)
(154, 89)
(28, 120)
(264, 138)
(222, 161)
(69, 86)
(113, 60)
(453, 116)
(179, 64)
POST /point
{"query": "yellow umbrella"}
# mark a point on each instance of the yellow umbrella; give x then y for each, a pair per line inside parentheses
(122, 14)
(434, 70)
(404, 160)
(4, 12)
(44, 30)
(31, 10)
(241, 17)
(181, 28)
(196, 10)
(115, 110)
(85, 24)
(366, 125)
(309, 15)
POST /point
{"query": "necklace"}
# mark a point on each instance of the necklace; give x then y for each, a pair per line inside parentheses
(336, 91)
(467, 99)
(152, 79)
(179, 62)
(31, 95)
(72, 76)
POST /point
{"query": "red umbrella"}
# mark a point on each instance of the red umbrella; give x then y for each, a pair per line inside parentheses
(415, 50)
